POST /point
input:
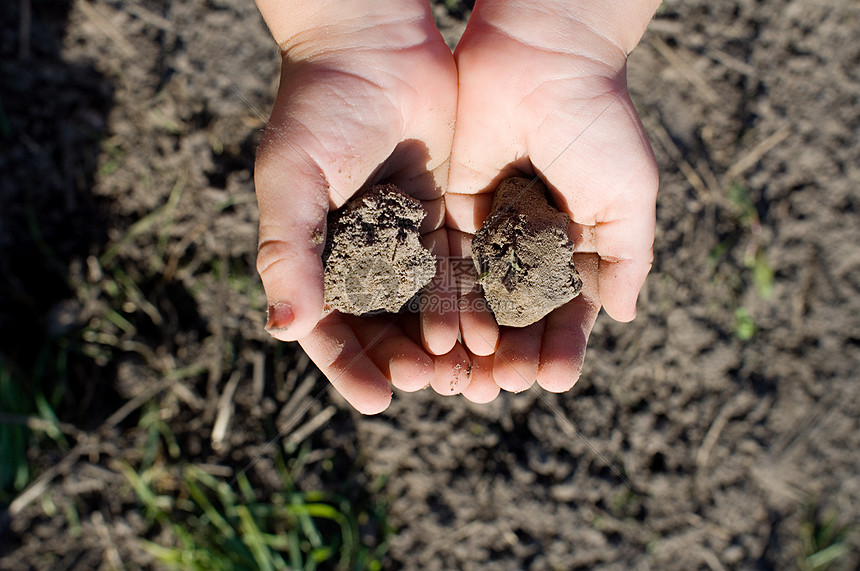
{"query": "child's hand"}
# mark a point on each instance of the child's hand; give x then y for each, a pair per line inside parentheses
(543, 90)
(368, 92)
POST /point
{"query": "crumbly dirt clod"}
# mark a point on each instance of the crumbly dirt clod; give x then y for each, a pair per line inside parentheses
(373, 257)
(523, 254)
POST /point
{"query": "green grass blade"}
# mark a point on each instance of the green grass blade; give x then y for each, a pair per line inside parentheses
(277, 542)
(213, 515)
(145, 495)
(826, 557)
(295, 550)
(253, 539)
(166, 555)
(304, 516)
(247, 491)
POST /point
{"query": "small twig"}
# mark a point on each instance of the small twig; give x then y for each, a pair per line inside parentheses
(111, 552)
(311, 426)
(38, 487)
(685, 69)
(225, 411)
(732, 63)
(216, 470)
(151, 18)
(188, 396)
(740, 404)
(301, 366)
(258, 358)
(295, 408)
(135, 403)
(712, 560)
(180, 248)
(704, 170)
(757, 152)
(40, 424)
(706, 193)
(216, 361)
(106, 27)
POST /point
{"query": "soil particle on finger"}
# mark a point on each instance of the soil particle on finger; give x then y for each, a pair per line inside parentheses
(373, 256)
(523, 254)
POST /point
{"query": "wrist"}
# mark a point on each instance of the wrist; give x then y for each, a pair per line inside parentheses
(294, 22)
(611, 28)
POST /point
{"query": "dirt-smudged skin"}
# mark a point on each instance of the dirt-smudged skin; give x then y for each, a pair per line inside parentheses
(373, 257)
(523, 254)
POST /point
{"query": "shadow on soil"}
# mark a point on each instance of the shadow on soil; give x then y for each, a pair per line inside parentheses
(53, 120)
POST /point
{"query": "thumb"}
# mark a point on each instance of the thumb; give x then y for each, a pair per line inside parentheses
(293, 203)
(307, 162)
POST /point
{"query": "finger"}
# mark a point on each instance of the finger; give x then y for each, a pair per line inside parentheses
(439, 316)
(478, 327)
(452, 373)
(406, 365)
(292, 234)
(482, 388)
(332, 345)
(515, 363)
(467, 212)
(567, 331)
(619, 285)
(620, 276)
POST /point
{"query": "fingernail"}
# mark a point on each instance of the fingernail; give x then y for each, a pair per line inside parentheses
(280, 316)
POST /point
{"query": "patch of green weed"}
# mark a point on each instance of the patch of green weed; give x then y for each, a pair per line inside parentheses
(825, 542)
(626, 503)
(754, 256)
(205, 522)
(741, 263)
(114, 155)
(23, 410)
(745, 328)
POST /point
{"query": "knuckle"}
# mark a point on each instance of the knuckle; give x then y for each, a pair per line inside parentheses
(272, 252)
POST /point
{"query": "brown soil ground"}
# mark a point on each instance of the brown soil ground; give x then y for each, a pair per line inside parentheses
(713, 432)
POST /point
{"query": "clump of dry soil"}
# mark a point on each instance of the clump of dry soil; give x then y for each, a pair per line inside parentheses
(523, 254)
(373, 257)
